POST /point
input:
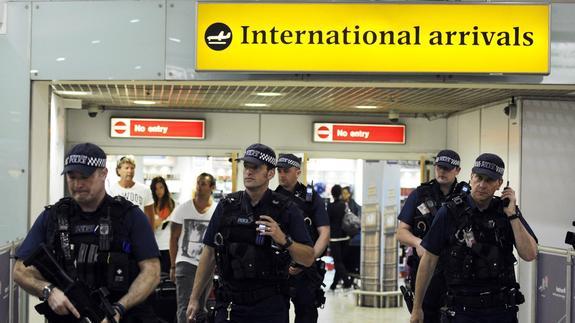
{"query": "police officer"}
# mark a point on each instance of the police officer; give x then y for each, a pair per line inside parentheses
(99, 240)
(305, 283)
(253, 237)
(415, 220)
(474, 235)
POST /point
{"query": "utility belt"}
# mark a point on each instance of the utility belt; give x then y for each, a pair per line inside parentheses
(251, 297)
(501, 299)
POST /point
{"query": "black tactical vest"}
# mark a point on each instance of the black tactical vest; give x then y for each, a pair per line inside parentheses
(242, 256)
(93, 248)
(489, 262)
(429, 201)
(305, 203)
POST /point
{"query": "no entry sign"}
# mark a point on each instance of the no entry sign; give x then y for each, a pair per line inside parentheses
(157, 128)
(359, 133)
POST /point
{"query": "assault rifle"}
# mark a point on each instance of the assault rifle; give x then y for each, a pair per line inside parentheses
(92, 305)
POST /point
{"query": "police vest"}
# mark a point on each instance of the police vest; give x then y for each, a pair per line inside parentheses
(305, 202)
(93, 248)
(242, 255)
(428, 202)
(480, 251)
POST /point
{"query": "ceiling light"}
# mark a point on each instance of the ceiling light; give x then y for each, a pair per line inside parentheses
(144, 102)
(33, 71)
(366, 107)
(96, 41)
(133, 21)
(74, 93)
(268, 94)
(256, 105)
(175, 40)
(60, 59)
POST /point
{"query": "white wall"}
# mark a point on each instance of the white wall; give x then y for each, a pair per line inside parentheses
(228, 132)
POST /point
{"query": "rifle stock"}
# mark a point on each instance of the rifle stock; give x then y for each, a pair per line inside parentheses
(92, 305)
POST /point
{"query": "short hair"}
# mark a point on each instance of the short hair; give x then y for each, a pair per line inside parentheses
(210, 176)
(125, 160)
(336, 192)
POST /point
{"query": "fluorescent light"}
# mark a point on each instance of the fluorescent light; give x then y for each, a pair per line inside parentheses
(366, 107)
(175, 40)
(73, 93)
(268, 94)
(133, 21)
(144, 102)
(138, 67)
(96, 41)
(256, 105)
(60, 59)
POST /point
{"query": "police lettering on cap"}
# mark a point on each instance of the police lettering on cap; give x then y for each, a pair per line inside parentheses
(490, 165)
(289, 160)
(259, 154)
(447, 158)
(84, 158)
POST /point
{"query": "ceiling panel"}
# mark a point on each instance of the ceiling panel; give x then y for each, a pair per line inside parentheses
(409, 99)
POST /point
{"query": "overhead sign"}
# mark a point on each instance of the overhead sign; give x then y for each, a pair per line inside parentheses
(157, 128)
(359, 133)
(368, 37)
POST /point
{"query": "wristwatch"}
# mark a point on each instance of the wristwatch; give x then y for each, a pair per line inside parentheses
(46, 291)
(288, 243)
(513, 216)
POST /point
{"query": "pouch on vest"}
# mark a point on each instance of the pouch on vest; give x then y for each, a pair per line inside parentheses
(118, 271)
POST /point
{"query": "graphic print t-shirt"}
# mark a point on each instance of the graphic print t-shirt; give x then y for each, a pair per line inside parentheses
(139, 194)
(194, 225)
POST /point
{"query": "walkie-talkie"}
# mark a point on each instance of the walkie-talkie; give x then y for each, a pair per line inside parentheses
(505, 200)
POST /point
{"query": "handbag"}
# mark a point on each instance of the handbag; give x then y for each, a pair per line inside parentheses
(350, 224)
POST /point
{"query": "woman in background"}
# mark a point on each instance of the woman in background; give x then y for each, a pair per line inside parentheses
(352, 256)
(163, 207)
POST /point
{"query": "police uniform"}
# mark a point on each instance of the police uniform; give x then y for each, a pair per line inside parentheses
(476, 249)
(305, 288)
(96, 259)
(418, 212)
(253, 272)
(100, 248)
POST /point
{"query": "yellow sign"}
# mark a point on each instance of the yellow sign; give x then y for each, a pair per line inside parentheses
(393, 38)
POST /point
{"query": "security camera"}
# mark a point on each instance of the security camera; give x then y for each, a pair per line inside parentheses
(393, 116)
(93, 110)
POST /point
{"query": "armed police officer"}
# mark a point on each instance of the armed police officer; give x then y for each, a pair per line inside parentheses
(98, 240)
(415, 220)
(305, 283)
(253, 237)
(474, 236)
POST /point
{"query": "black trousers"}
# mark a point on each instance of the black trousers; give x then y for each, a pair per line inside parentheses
(274, 309)
(501, 316)
(337, 249)
(303, 299)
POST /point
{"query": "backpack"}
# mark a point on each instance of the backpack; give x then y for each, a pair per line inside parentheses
(350, 223)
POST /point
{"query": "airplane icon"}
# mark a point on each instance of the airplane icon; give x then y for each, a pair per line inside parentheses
(219, 39)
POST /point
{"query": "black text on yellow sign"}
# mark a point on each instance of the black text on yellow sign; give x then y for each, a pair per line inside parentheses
(393, 38)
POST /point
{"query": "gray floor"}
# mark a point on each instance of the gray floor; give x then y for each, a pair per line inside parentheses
(340, 307)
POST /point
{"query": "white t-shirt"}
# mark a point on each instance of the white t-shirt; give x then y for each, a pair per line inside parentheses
(162, 234)
(139, 194)
(194, 225)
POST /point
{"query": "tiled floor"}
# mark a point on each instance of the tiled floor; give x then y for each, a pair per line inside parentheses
(340, 307)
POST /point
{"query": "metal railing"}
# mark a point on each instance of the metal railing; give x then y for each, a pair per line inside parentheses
(17, 301)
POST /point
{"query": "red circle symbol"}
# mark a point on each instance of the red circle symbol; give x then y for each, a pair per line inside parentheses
(120, 127)
(323, 132)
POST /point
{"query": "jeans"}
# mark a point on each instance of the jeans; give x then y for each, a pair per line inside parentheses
(185, 274)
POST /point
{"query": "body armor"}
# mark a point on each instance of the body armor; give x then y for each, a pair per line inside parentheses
(304, 197)
(480, 249)
(243, 257)
(429, 201)
(93, 248)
